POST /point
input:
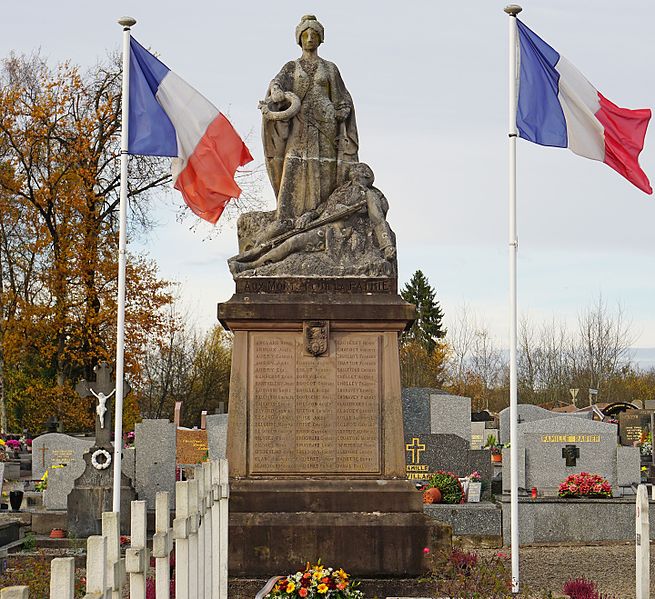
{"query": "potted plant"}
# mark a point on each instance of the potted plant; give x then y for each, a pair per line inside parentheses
(495, 447)
(474, 487)
(449, 486)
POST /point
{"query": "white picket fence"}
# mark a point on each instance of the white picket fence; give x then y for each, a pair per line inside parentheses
(199, 532)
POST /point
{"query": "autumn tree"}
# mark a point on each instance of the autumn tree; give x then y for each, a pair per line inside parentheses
(188, 366)
(59, 184)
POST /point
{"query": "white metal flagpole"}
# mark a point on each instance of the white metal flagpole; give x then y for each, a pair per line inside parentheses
(512, 10)
(125, 23)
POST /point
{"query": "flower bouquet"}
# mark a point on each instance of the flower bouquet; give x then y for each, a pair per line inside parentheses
(585, 485)
(316, 581)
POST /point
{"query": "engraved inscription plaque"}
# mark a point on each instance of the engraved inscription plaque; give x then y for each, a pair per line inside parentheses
(314, 414)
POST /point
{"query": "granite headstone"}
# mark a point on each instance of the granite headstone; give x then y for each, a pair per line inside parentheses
(154, 442)
(632, 425)
(550, 449)
(478, 435)
(450, 415)
(62, 480)
(216, 435)
(53, 449)
(531, 413)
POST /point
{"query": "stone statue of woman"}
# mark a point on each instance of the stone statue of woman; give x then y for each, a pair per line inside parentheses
(309, 130)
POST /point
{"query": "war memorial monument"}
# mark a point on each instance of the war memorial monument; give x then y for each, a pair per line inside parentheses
(315, 434)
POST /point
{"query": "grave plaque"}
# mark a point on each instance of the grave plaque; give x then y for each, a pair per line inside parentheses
(632, 425)
(54, 449)
(314, 413)
(191, 446)
(478, 435)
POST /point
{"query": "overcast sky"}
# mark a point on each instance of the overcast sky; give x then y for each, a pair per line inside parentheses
(429, 82)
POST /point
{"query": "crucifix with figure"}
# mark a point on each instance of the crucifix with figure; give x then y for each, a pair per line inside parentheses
(102, 389)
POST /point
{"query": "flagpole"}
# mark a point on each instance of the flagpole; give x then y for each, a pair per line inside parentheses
(126, 23)
(512, 10)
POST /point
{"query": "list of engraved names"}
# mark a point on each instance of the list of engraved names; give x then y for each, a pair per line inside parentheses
(314, 414)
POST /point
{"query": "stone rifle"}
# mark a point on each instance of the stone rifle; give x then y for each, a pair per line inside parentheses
(260, 250)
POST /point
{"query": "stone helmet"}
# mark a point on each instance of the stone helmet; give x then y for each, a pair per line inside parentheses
(309, 22)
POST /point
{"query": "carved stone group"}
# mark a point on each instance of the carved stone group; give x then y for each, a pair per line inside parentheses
(329, 219)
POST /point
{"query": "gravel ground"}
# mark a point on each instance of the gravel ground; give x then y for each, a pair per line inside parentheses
(611, 566)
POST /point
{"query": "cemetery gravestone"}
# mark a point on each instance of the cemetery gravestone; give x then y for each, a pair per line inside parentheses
(426, 451)
(632, 425)
(216, 435)
(53, 449)
(191, 446)
(154, 445)
(551, 449)
(450, 415)
(93, 489)
(478, 435)
(531, 413)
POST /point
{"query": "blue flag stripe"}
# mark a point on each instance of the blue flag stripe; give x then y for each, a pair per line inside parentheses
(539, 117)
(151, 132)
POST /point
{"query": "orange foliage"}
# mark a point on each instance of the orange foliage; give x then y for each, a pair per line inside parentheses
(58, 239)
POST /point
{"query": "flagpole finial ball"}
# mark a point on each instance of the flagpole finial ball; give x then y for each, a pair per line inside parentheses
(127, 21)
(513, 9)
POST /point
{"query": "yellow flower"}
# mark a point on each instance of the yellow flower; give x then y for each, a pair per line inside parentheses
(322, 588)
(2, 442)
(341, 574)
(291, 587)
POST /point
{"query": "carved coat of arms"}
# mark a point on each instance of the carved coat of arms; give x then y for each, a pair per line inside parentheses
(317, 336)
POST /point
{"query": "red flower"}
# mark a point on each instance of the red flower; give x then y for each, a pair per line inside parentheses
(302, 592)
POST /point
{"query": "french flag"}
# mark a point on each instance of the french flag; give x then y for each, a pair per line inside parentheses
(558, 107)
(167, 117)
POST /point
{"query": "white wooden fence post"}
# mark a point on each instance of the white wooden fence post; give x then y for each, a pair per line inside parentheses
(14, 593)
(62, 578)
(197, 475)
(224, 523)
(643, 543)
(193, 539)
(111, 530)
(137, 558)
(216, 528)
(181, 526)
(96, 568)
(207, 500)
(162, 545)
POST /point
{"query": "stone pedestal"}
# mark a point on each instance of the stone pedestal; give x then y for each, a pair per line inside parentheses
(315, 430)
(92, 495)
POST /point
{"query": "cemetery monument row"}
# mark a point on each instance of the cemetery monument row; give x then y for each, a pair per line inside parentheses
(315, 431)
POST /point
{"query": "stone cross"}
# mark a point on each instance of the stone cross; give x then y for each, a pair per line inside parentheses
(571, 453)
(101, 389)
(43, 450)
(415, 447)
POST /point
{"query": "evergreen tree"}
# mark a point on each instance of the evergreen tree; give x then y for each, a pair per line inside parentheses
(427, 328)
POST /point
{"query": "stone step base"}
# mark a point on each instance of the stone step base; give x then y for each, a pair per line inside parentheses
(363, 543)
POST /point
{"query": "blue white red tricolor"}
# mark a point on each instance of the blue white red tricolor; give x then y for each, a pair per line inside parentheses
(558, 107)
(167, 117)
